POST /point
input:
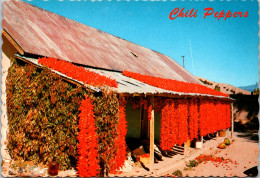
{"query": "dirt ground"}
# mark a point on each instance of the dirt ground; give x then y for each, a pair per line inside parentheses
(242, 155)
(243, 152)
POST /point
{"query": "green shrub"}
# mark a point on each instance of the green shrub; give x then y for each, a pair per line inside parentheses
(177, 173)
(42, 115)
(217, 88)
(106, 116)
(192, 163)
(206, 82)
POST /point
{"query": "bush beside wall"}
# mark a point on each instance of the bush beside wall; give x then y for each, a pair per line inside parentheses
(42, 115)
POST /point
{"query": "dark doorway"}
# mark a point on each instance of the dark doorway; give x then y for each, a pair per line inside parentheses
(144, 124)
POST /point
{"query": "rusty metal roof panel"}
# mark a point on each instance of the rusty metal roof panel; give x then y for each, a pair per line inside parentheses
(44, 33)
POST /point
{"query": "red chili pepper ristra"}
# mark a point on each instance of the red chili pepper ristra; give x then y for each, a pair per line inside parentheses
(76, 72)
(193, 120)
(174, 123)
(169, 128)
(88, 145)
(183, 119)
(173, 85)
(213, 116)
(120, 143)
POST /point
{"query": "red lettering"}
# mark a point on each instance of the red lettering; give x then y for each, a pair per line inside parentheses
(207, 13)
(195, 15)
(228, 14)
(221, 14)
(186, 14)
(190, 15)
(181, 13)
(246, 14)
(173, 12)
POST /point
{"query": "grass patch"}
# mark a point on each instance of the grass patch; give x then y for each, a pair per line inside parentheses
(177, 173)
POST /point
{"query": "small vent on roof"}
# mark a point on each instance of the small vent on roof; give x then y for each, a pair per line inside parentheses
(134, 54)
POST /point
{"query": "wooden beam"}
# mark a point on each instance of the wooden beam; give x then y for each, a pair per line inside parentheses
(152, 136)
(13, 42)
(168, 95)
(232, 120)
(176, 96)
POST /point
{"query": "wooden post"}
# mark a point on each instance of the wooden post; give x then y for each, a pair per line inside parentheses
(185, 148)
(232, 121)
(152, 136)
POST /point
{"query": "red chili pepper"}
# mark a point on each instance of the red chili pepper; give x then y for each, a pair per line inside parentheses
(87, 147)
(76, 72)
(173, 85)
(205, 117)
(120, 144)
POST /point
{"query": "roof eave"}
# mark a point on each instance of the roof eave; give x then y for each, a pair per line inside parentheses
(167, 93)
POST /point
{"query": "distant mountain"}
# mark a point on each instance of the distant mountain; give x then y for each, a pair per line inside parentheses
(223, 87)
(249, 87)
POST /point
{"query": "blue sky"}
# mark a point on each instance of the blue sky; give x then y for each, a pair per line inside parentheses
(221, 50)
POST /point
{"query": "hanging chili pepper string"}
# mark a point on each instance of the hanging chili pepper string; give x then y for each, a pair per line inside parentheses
(88, 145)
(167, 126)
(120, 142)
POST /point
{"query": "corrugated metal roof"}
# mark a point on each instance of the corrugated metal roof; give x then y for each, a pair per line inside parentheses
(126, 85)
(131, 86)
(44, 33)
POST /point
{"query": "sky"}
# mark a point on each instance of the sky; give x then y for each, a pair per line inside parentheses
(224, 51)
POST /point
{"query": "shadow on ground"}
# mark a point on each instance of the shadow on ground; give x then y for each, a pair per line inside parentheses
(248, 131)
(247, 103)
(252, 172)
